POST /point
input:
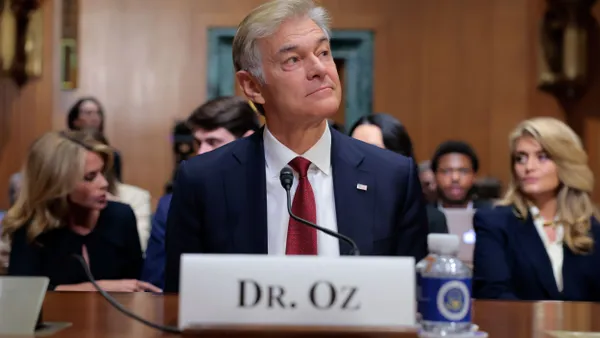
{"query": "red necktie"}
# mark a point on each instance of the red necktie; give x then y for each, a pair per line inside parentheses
(302, 239)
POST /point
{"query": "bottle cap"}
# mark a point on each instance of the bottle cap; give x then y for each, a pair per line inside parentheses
(443, 244)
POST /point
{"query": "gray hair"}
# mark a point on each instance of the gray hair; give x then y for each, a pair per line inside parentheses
(263, 22)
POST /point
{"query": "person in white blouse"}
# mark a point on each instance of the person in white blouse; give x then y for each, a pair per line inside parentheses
(542, 242)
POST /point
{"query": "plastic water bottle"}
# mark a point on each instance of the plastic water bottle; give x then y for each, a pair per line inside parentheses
(444, 288)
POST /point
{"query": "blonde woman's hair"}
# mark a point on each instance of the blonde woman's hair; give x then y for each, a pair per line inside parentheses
(575, 207)
(54, 165)
(263, 22)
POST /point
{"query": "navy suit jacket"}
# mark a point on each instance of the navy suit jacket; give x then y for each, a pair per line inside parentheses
(511, 262)
(154, 263)
(219, 202)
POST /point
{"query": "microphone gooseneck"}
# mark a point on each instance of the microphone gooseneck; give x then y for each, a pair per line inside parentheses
(117, 305)
(286, 176)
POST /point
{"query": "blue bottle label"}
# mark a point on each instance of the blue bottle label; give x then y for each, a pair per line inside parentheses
(445, 299)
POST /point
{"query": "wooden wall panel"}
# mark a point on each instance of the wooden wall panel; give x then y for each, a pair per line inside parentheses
(583, 115)
(26, 114)
(448, 69)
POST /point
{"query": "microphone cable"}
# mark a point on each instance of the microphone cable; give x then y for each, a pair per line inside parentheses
(118, 306)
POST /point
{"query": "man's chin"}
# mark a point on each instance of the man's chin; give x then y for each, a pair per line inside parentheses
(456, 201)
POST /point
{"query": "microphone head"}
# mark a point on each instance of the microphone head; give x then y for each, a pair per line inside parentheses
(286, 176)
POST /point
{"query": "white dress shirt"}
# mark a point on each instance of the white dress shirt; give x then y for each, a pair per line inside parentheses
(555, 250)
(277, 156)
(139, 200)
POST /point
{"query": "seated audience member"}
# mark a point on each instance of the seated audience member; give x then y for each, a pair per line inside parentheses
(387, 132)
(543, 241)
(214, 124)
(63, 210)
(88, 113)
(455, 165)
(137, 198)
(427, 179)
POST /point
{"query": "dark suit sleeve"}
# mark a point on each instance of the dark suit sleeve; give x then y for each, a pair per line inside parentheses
(437, 221)
(183, 225)
(412, 223)
(154, 265)
(135, 259)
(491, 279)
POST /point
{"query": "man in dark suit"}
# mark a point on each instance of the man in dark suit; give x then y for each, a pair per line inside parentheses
(213, 124)
(230, 200)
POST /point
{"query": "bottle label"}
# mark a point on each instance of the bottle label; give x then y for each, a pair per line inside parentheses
(445, 299)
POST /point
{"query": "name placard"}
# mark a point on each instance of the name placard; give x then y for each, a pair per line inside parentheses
(218, 290)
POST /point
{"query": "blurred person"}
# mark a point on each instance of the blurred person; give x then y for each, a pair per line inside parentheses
(63, 210)
(455, 165)
(427, 178)
(230, 200)
(543, 240)
(137, 198)
(385, 131)
(213, 124)
(88, 113)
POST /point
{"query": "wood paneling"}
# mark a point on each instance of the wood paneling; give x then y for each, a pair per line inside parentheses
(584, 114)
(26, 114)
(461, 69)
(448, 69)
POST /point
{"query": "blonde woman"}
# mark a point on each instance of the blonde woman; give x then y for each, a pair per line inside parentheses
(543, 241)
(63, 209)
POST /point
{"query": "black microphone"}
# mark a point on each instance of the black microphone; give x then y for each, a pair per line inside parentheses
(286, 176)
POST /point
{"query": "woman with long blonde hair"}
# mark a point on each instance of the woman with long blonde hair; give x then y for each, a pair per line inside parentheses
(542, 242)
(62, 210)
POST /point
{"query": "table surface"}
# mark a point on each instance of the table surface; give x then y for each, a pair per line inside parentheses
(92, 316)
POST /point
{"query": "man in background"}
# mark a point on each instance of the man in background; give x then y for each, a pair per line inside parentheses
(455, 165)
(214, 124)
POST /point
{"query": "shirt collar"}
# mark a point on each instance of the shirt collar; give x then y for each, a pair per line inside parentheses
(278, 155)
(535, 214)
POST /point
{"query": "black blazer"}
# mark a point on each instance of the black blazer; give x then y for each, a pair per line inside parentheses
(511, 262)
(113, 247)
(219, 202)
(436, 221)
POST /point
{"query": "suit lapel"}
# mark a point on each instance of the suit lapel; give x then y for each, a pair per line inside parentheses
(354, 204)
(245, 188)
(536, 253)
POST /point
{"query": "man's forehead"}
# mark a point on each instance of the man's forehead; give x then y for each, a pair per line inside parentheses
(455, 159)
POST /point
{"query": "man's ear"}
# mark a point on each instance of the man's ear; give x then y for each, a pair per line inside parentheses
(250, 86)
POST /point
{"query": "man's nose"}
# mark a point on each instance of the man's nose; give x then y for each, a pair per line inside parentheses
(317, 68)
(204, 148)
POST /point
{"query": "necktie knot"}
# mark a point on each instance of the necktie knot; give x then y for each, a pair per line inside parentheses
(300, 165)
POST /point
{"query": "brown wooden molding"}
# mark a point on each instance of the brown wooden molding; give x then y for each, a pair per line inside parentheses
(22, 10)
(564, 45)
